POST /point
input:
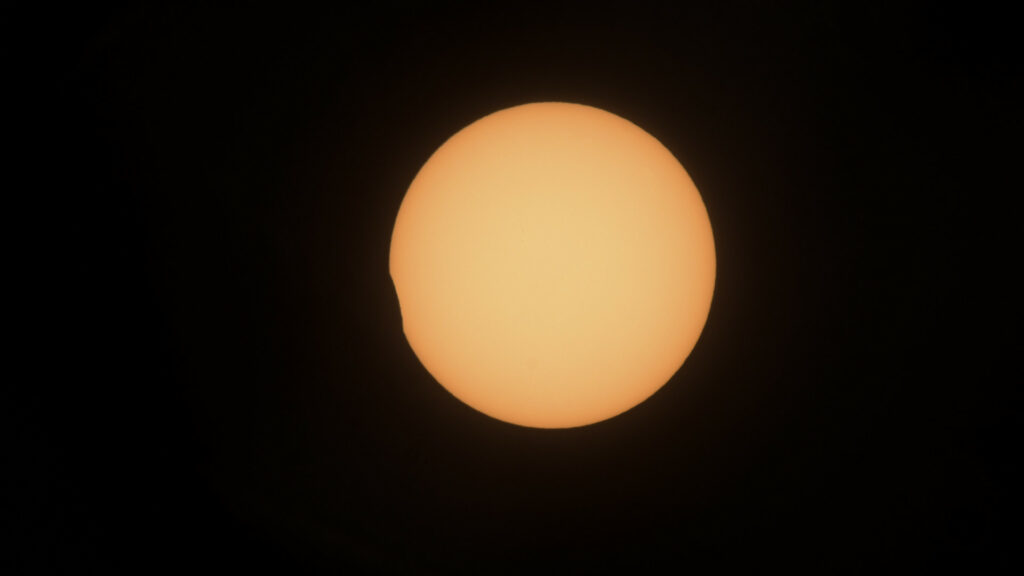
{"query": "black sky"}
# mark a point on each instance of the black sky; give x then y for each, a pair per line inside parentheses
(228, 386)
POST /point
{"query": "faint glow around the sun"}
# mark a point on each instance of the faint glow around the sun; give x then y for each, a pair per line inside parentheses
(554, 264)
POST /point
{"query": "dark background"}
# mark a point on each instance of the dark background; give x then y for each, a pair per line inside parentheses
(227, 387)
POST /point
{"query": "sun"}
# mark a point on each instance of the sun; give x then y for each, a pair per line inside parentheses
(554, 265)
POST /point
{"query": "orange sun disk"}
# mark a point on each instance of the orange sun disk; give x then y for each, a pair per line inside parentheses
(554, 264)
